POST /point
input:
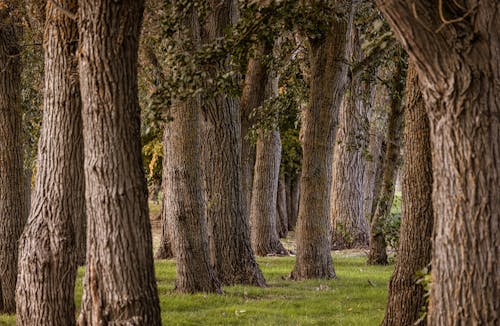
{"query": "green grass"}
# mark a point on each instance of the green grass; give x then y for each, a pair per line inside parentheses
(356, 297)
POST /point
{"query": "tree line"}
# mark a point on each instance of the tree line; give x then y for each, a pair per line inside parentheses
(257, 118)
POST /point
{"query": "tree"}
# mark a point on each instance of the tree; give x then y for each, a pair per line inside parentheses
(378, 250)
(12, 198)
(406, 297)
(183, 196)
(455, 48)
(119, 284)
(263, 213)
(281, 208)
(349, 226)
(48, 247)
(328, 53)
(228, 230)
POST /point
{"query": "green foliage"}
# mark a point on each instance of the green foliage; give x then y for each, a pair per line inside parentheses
(393, 223)
(424, 278)
(357, 297)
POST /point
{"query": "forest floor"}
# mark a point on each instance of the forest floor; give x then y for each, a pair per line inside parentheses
(356, 297)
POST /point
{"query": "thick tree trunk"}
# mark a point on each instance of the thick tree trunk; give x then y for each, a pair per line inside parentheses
(376, 150)
(119, 284)
(228, 229)
(281, 208)
(264, 235)
(183, 197)
(459, 71)
(378, 250)
(349, 226)
(12, 195)
(49, 250)
(406, 297)
(319, 127)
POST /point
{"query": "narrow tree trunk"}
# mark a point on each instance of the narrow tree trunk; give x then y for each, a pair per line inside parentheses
(378, 250)
(319, 126)
(165, 250)
(119, 284)
(459, 66)
(376, 150)
(293, 197)
(48, 248)
(265, 240)
(253, 96)
(228, 230)
(12, 195)
(281, 208)
(406, 297)
(183, 196)
(349, 226)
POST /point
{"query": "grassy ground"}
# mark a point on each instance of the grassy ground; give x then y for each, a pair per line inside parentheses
(356, 297)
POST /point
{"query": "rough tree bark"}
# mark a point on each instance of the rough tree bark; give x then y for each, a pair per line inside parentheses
(119, 284)
(376, 149)
(456, 46)
(319, 126)
(406, 297)
(12, 195)
(165, 250)
(281, 208)
(183, 195)
(264, 235)
(253, 96)
(228, 231)
(378, 246)
(349, 226)
(48, 247)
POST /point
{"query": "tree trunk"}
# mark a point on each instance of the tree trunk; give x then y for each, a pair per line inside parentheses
(319, 126)
(458, 65)
(228, 230)
(183, 196)
(253, 96)
(378, 250)
(265, 240)
(165, 250)
(12, 195)
(406, 297)
(49, 250)
(349, 225)
(281, 208)
(376, 150)
(119, 284)
(293, 200)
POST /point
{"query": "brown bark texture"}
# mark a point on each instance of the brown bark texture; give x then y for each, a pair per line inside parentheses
(165, 250)
(183, 197)
(119, 284)
(292, 184)
(328, 55)
(349, 226)
(12, 203)
(228, 230)
(378, 245)
(281, 208)
(48, 248)
(456, 50)
(253, 96)
(406, 297)
(264, 234)
(376, 149)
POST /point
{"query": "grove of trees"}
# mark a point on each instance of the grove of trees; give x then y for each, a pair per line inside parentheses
(249, 122)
